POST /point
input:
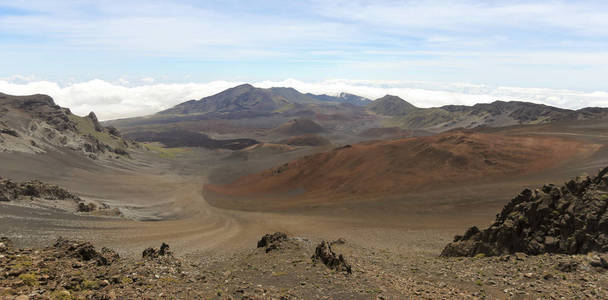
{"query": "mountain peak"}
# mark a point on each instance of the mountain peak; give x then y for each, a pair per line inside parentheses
(244, 85)
(390, 105)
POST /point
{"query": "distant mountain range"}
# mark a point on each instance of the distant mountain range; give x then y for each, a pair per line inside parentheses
(245, 115)
(249, 98)
(247, 111)
(495, 114)
(246, 98)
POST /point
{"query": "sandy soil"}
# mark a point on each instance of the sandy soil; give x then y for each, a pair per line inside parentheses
(162, 200)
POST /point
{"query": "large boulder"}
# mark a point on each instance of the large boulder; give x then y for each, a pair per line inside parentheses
(570, 219)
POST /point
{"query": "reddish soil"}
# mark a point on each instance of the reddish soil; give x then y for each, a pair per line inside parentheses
(408, 165)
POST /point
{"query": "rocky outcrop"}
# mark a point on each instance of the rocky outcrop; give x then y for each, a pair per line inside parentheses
(34, 192)
(35, 124)
(570, 219)
(153, 253)
(328, 257)
(10, 190)
(9, 132)
(272, 241)
(85, 251)
(95, 121)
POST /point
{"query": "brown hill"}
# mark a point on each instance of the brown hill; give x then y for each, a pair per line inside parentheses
(299, 127)
(391, 106)
(407, 165)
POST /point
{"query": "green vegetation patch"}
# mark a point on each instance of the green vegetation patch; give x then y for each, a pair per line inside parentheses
(164, 152)
(86, 127)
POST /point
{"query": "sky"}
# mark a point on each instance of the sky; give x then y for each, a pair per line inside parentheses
(129, 58)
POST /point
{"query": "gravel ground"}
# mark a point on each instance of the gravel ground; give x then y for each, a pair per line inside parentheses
(72, 270)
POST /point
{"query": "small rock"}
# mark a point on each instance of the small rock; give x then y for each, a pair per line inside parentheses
(598, 261)
(569, 266)
(339, 241)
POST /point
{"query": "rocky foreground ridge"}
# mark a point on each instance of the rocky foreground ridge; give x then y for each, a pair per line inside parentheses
(571, 219)
(284, 267)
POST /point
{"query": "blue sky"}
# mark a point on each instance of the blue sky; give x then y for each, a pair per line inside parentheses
(558, 45)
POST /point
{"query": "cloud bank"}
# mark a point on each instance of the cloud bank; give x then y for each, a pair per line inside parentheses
(112, 100)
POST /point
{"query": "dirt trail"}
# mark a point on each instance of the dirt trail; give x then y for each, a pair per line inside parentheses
(163, 202)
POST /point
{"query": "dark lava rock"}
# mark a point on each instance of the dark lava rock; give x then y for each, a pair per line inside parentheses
(113, 131)
(9, 132)
(95, 121)
(120, 151)
(567, 267)
(571, 219)
(152, 253)
(86, 207)
(107, 256)
(325, 254)
(85, 251)
(10, 190)
(272, 241)
(599, 261)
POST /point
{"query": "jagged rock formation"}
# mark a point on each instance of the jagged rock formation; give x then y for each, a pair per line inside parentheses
(10, 191)
(571, 219)
(85, 251)
(35, 124)
(152, 253)
(327, 256)
(42, 194)
(272, 241)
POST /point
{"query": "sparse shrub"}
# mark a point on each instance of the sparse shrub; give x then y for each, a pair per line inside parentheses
(29, 279)
(126, 280)
(90, 285)
(61, 295)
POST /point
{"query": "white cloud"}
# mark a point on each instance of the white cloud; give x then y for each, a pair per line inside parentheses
(111, 101)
